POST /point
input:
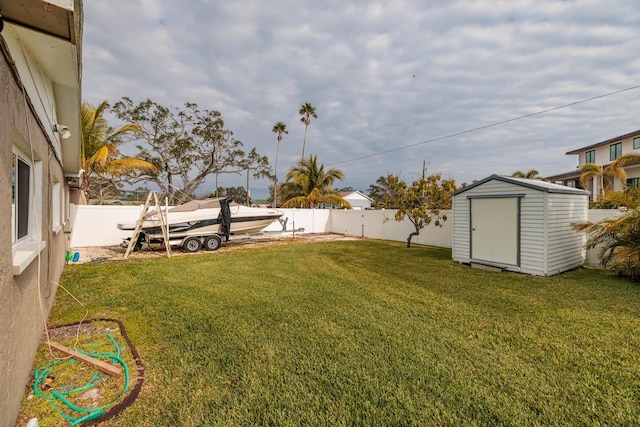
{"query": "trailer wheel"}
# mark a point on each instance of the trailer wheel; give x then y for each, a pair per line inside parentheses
(212, 243)
(191, 244)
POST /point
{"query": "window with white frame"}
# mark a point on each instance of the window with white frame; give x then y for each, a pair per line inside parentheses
(26, 204)
(21, 196)
(636, 143)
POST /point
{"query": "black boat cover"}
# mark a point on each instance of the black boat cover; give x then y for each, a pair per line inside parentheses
(224, 217)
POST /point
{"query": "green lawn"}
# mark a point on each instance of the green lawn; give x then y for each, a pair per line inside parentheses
(366, 333)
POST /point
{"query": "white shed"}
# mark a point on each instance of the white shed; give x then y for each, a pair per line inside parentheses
(518, 224)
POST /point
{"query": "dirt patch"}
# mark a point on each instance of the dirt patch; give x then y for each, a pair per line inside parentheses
(64, 333)
(113, 253)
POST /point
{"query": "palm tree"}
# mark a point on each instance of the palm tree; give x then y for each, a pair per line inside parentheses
(306, 111)
(616, 168)
(629, 198)
(100, 154)
(308, 185)
(619, 238)
(588, 171)
(529, 174)
(281, 129)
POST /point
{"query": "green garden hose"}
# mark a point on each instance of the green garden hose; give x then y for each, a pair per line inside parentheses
(41, 374)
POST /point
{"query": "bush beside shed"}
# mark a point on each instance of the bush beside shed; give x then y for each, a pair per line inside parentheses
(520, 225)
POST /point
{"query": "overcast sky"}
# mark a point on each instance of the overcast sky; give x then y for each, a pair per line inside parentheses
(382, 76)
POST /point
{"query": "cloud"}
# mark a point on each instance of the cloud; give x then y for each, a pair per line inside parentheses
(382, 75)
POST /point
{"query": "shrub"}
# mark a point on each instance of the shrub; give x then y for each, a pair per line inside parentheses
(619, 239)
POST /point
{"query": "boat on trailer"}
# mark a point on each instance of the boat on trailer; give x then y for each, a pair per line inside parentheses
(202, 223)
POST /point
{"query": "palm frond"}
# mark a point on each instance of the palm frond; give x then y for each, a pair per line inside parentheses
(308, 184)
(98, 160)
(616, 168)
(128, 128)
(295, 202)
(619, 240)
(529, 174)
(94, 128)
(587, 172)
(129, 165)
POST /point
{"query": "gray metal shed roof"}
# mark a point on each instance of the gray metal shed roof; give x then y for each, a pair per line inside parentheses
(536, 184)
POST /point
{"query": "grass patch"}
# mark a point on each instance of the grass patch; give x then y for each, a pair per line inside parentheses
(366, 333)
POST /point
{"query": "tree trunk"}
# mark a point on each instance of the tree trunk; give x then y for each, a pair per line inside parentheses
(415, 233)
(86, 186)
(275, 172)
(304, 141)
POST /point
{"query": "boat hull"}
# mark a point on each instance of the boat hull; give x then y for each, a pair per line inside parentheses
(203, 222)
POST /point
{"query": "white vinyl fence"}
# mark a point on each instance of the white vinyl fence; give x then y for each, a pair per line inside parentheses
(596, 215)
(94, 225)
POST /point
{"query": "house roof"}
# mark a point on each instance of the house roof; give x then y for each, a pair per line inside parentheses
(574, 174)
(53, 19)
(52, 32)
(608, 141)
(346, 194)
(535, 184)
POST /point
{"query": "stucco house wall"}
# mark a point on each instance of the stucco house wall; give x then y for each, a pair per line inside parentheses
(31, 101)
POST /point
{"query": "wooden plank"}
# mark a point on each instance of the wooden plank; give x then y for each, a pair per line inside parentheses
(136, 231)
(107, 368)
(163, 226)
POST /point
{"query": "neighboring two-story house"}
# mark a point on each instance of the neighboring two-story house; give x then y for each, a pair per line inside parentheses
(40, 169)
(602, 154)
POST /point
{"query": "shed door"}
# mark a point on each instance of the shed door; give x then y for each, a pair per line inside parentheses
(494, 230)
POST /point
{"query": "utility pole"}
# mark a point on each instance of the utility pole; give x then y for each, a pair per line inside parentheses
(424, 168)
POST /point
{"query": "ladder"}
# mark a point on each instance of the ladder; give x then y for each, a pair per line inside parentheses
(151, 198)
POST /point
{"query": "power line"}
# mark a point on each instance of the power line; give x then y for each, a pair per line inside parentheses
(487, 126)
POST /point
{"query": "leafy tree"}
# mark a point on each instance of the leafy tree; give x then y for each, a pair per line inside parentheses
(238, 194)
(256, 165)
(103, 191)
(308, 185)
(101, 159)
(528, 174)
(135, 196)
(306, 111)
(280, 129)
(186, 146)
(423, 201)
(619, 239)
(385, 192)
